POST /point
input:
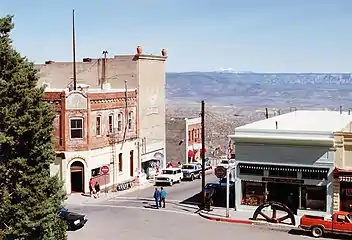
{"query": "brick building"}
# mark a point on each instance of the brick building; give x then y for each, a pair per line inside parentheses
(193, 139)
(94, 128)
(102, 78)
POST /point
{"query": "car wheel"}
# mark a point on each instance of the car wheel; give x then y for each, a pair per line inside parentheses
(192, 177)
(317, 232)
(180, 180)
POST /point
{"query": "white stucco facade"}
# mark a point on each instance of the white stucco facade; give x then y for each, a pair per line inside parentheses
(95, 159)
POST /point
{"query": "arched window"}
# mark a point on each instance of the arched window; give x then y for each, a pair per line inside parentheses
(130, 120)
(119, 122)
(111, 123)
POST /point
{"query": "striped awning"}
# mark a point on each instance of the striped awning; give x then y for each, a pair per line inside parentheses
(345, 178)
(284, 168)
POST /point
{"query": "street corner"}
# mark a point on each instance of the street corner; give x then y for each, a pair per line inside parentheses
(217, 218)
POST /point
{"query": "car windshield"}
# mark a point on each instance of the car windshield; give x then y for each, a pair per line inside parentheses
(225, 162)
(349, 216)
(187, 167)
(168, 172)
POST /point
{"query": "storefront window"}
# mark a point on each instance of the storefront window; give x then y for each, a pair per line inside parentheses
(252, 193)
(314, 175)
(250, 171)
(346, 196)
(95, 172)
(285, 174)
(313, 198)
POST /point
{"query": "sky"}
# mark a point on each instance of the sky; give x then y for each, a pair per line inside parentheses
(199, 35)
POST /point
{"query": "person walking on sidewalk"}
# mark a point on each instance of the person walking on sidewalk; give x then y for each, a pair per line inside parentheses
(91, 190)
(157, 197)
(162, 197)
(97, 190)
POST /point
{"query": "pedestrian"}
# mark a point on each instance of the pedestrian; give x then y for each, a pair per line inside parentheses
(97, 190)
(162, 197)
(91, 191)
(157, 197)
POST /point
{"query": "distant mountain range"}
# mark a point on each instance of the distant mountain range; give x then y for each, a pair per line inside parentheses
(225, 87)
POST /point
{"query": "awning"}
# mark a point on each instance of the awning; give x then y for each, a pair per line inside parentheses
(284, 168)
(345, 178)
(190, 153)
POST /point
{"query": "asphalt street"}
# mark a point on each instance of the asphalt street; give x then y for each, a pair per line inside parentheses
(133, 215)
(124, 223)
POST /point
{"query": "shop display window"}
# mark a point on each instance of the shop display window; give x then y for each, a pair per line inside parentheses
(252, 193)
(346, 197)
(284, 174)
(250, 171)
(313, 198)
(314, 175)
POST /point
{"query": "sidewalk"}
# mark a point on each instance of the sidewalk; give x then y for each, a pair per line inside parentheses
(244, 217)
(80, 198)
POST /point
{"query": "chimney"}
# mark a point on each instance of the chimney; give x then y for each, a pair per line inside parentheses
(87, 60)
(49, 62)
(276, 125)
(340, 109)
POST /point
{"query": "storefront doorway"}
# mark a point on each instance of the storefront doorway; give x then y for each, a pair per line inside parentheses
(77, 177)
(285, 193)
(346, 196)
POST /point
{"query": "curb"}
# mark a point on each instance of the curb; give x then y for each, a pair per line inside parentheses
(224, 219)
(265, 225)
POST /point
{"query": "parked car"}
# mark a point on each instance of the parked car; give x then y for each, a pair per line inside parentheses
(227, 163)
(74, 220)
(192, 171)
(339, 223)
(169, 176)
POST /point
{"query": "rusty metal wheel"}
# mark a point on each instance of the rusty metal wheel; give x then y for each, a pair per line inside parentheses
(280, 213)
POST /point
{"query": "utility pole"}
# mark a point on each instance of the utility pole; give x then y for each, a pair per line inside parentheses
(74, 51)
(203, 152)
(104, 67)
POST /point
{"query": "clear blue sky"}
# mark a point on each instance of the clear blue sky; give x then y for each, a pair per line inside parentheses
(200, 35)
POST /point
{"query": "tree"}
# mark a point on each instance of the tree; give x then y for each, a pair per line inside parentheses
(29, 196)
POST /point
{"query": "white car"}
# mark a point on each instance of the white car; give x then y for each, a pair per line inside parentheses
(227, 163)
(169, 176)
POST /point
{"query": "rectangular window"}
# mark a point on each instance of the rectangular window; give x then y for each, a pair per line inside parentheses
(252, 193)
(284, 174)
(313, 198)
(76, 126)
(120, 163)
(111, 123)
(95, 172)
(314, 175)
(250, 171)
(119, 122)
(130, 118)
(98, 126)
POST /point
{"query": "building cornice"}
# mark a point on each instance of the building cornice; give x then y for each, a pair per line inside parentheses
(150, 57)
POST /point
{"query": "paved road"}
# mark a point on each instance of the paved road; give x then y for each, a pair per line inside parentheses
(179, 192)
(109, 222)
(134, 216)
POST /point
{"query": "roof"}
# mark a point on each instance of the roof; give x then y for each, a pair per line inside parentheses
(191, 121)
(302, 121)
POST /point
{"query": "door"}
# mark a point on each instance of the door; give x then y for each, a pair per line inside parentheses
(342, 224)
(77, 177)
(131, 163)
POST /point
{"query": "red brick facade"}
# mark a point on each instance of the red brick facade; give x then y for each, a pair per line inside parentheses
(100, 105)
(194, 133)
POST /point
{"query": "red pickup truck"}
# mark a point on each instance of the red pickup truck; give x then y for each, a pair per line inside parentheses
(338, 223)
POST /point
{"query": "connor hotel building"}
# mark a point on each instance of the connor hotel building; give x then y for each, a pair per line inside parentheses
(115, 117)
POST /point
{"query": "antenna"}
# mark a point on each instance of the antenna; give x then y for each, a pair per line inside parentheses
(74, 51)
